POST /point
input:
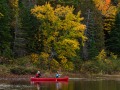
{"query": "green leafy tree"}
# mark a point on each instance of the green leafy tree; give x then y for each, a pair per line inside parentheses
(59, 30)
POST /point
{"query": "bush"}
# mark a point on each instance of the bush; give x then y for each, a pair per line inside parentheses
(67, 65)
(22, 70)
(54, 65)
(4, 60)
(90, 66)
(4, 69)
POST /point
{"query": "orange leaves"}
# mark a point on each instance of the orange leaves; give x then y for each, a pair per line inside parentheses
(108, 2)
(105, 7)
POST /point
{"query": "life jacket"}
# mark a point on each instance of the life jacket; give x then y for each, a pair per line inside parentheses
(37, 75)
(57, 75)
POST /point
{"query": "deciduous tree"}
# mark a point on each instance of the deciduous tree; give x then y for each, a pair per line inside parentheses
(59, 30)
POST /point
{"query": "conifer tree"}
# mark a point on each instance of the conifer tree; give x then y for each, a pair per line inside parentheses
(5, 32)
(29, 25)
(19, 42)
(94, 30)
(113, 41)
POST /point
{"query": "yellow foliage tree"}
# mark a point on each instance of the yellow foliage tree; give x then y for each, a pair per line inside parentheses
(59, 30)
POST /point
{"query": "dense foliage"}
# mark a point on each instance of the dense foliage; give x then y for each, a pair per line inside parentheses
(61, 34)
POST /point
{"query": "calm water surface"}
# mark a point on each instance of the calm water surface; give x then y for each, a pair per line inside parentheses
(72, 84)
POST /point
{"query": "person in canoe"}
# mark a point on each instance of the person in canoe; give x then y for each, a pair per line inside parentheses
(38, 74)
(57, 75)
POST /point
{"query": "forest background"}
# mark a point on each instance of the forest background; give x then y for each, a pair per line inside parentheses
(79, 36)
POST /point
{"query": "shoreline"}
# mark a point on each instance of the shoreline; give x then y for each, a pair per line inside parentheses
(70, 75)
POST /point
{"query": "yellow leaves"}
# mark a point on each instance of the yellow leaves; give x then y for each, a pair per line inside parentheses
(54, 65)
(78, 19)
(44, 12)
(14, 3)
(113, 55)
(111, 11)
(1, 15)
(43, 58)
(74, 43)
(70, 17)
(102, 55)
(66, 65)
(67, 48)
(44, 55)
(62, 11)
(55, 33)
(37, 12)
(34, 57)
(51, 38)
(79, 27)
(59, 27)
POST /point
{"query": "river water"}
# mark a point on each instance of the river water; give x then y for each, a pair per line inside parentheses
(72, 84)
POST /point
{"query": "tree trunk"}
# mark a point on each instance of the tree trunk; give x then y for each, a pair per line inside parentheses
(85, 47)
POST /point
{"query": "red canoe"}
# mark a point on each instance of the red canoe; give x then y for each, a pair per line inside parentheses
(49, 79)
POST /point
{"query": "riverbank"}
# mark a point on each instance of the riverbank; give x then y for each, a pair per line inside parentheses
(23, 68)
(70, 75)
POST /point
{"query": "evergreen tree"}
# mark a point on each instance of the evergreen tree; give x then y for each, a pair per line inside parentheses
(108, 12)
(19, 43)
(94, 30)
(29, 25)
(5, 32)
(113, 42)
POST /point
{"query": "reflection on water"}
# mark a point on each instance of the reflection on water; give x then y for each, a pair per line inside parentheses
(50, 85)
(73, 84)
(58, 85)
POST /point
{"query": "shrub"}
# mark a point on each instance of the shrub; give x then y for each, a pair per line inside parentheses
(102, 55)
(67, 65)
(4, 60)
(34, 58)
(90, 66)
(54, 65)
(22, 70)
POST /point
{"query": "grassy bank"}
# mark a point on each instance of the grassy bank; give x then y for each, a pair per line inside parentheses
(26, 67)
